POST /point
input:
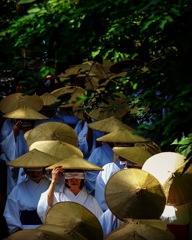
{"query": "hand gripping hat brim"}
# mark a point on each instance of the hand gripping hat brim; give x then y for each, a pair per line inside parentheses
(134, 193)
(56, 148)
(75, 162)
(74, 217)
(34, 159)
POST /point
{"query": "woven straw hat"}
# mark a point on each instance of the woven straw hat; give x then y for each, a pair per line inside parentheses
(108, 125)
(75, 162)
(52, 131)
(34, 234)
(68, 95)
(125, 65)
(139, 153)
(56, 148)
(18, 100)
(178, 185)
(122, 135)
(48, 99)
(163, 165)
(34, 159)
(73, 217)
(134, 193)
(25, 113)
(141, 230)
(116, 107)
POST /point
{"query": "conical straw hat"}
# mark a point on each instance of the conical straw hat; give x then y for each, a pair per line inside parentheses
(34, 159)
(75, 162)
(18, 100)
(52, 131)
(25, 113)
(134, 193)
(137, 154)
(62, 232)
(56, 148)
(116, 107)
(73, 93)
(74, 217)
(139, 231)
(34, 234)
(162, 165)
(108, 125)
(48, 99)
(178, 186)
(122, 135)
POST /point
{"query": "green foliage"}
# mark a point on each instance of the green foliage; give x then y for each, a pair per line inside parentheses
(157, 32)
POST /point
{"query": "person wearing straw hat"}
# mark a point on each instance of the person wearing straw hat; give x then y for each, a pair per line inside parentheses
(21, 206)
(168, 168)
(103, 154)
(12, 139)
(73, 170)
(49, 109)
(119, 137)
(131, 193)
(72, 221)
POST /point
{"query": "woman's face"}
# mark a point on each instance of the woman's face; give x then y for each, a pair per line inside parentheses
(74, 181)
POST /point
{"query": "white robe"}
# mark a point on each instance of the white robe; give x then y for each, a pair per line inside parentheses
(109, 222)
(24, 196)
(100, 157)
(11, 149)
(65, 194)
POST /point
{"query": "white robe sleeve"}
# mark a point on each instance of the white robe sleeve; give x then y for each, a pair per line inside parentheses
(109, 222)
(43, 206)
(12, 212)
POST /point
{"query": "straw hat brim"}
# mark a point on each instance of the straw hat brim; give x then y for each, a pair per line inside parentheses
(162, 165)
(122, 135)
(53, 131)
(25, 113)
(108, 125)
(34, 234)
(116, 107)
(134, 193)
(136, 154)
(139, 231)
(178, 186)
(75, 162)
(56, 148)
(34, 159)
(18, 100)
(48, 99)
(74, 91)
(74, 216)
(62, 232)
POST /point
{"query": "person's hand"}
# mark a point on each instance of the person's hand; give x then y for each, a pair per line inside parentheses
(17, 128)
(55, 173)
